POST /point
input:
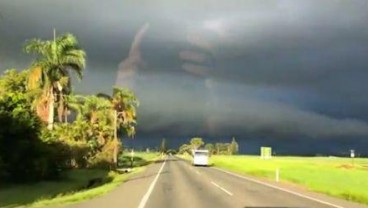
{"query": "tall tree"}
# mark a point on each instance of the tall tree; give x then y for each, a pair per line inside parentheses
(50, 71)
(163, 147)
(210, 147)
(124, 104)
(222, 148)
(185, 148)
(91, 108)
(196, 142)
(13, 81)
(97, 112)
(234, 147)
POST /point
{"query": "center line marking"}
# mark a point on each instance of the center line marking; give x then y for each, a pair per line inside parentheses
(224, 190)
(144, 200)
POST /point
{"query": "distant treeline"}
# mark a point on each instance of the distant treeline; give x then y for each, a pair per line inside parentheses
(213, 148)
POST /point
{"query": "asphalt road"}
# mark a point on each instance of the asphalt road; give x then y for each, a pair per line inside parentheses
(174, 183)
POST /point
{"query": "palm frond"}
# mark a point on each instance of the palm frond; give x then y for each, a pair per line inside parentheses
(34, 78)
(66, 40)
(103, 95)
(74, 60)
(64, 81)
(35, 46)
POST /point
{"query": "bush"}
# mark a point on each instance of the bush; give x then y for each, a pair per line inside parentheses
(24, 156)
(171, 151)
(103, 159)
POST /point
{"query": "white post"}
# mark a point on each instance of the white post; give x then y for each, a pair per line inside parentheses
(277, 175)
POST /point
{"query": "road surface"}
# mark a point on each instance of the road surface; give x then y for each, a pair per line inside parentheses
(174, 183)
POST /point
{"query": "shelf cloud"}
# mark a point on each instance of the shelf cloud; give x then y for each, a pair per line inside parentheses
(277, 68)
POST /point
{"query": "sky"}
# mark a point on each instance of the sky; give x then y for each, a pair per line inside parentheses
(290, 74)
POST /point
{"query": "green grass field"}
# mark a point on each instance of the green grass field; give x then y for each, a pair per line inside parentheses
(69, 190)
(139, 159)
(333, 176)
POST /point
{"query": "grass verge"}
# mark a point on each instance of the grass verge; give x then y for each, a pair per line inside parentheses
(139, 159)
(78, 196)
(72, 189)
(337, 177)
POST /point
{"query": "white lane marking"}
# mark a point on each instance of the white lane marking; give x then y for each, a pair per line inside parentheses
(224, 190)
(281, 189)
(144, 200)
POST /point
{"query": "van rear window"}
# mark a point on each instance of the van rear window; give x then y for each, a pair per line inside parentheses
(201, 153)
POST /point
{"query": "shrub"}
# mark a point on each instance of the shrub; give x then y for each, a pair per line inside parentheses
(24, 156)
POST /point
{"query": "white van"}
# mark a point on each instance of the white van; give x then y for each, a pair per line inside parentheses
(200, 157)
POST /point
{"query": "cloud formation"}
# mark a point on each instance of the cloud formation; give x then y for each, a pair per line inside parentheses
(275, 68)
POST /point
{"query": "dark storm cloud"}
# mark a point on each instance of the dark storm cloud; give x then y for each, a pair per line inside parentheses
(281, 68)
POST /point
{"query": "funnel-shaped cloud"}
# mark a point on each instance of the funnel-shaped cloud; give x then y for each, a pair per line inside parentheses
(129, 66)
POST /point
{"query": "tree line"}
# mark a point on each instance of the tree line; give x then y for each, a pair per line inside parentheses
(46, 128)
(214, 149)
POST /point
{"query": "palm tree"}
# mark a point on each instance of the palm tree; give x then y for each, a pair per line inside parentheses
(90, 108)
(124, 103)
(61, 98)
(50, 71)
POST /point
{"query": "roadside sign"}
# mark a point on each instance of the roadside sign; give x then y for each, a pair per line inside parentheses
(352, 153)
(266, 152)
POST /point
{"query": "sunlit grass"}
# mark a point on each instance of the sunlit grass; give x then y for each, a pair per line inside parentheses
(78, 196)
(334, 176)
(69, 190)
(139, 159)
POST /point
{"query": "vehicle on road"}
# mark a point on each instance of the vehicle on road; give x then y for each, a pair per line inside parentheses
(200, 157)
